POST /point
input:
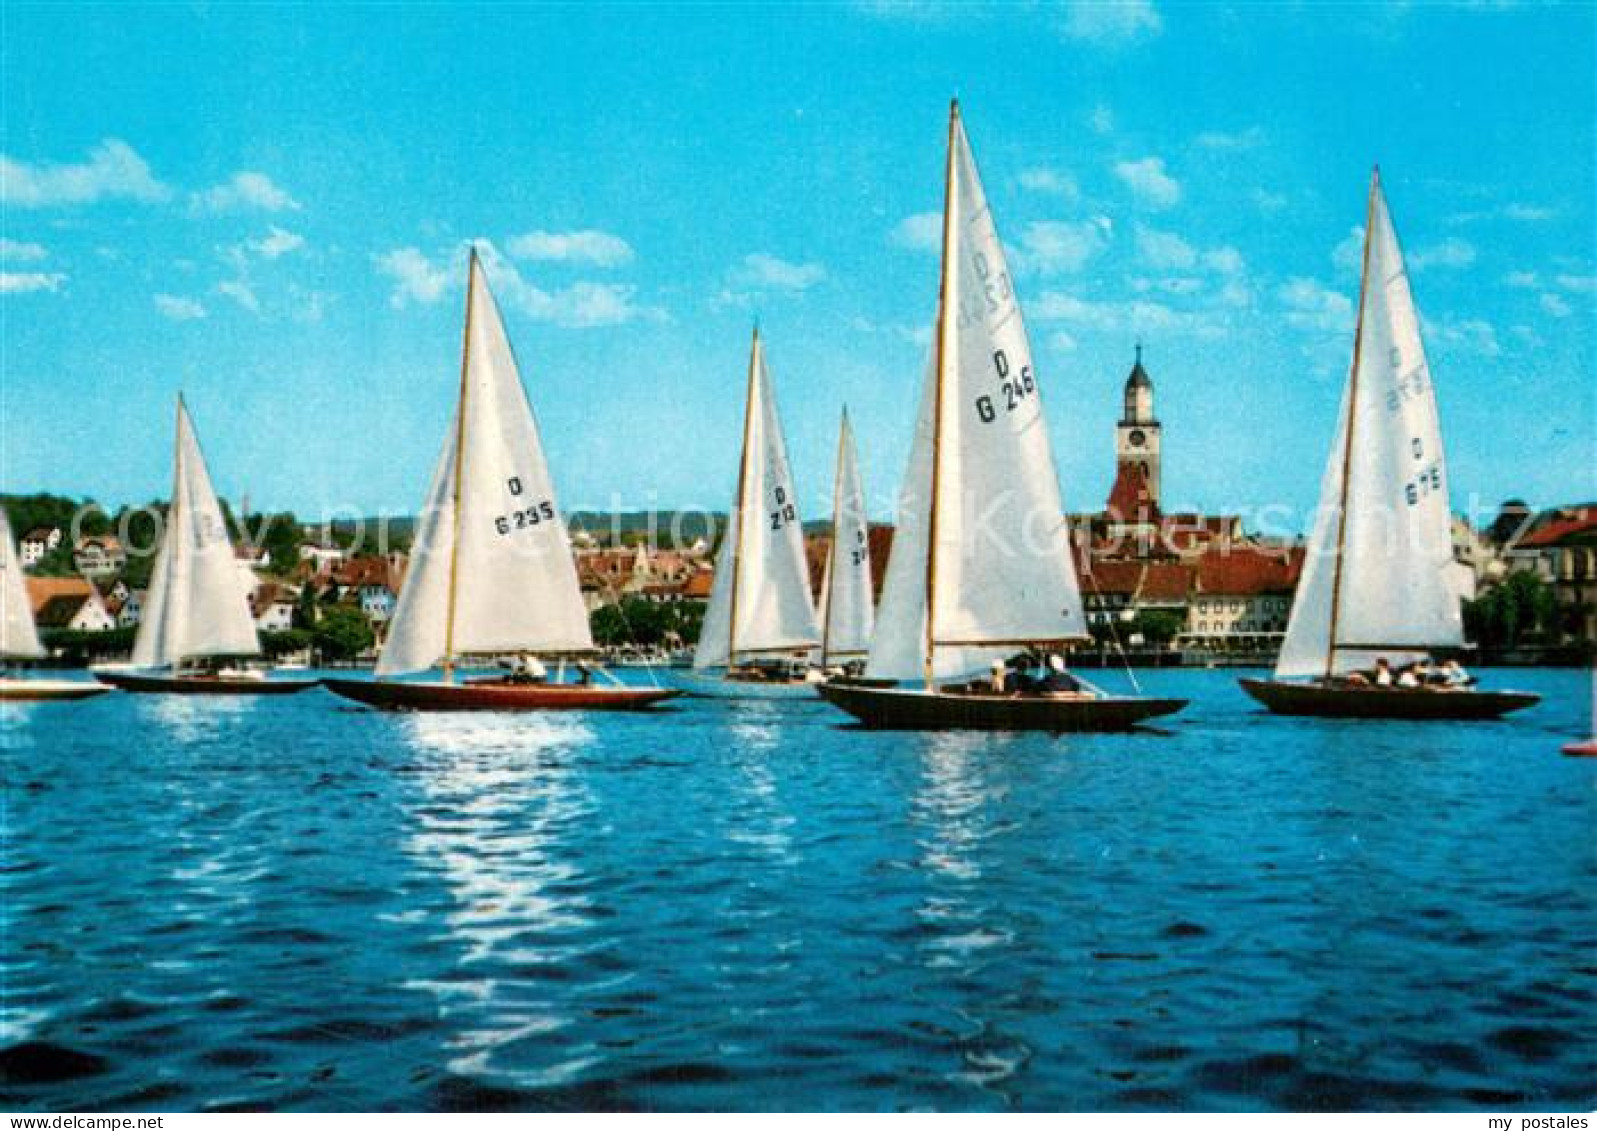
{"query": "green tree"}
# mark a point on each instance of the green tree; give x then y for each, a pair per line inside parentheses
(1518, 609)
(646, 623)
(343, 633)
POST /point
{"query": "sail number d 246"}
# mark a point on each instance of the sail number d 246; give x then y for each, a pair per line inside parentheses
(1013, 389)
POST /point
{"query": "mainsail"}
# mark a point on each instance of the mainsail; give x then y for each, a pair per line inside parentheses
(761, 599)
(981, 562)
(847, 615)
(18, 636)
(491, 569)
(1375, 582)
(197, 604)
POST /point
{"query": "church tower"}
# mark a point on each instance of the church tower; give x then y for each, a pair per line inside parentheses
(1137, 439)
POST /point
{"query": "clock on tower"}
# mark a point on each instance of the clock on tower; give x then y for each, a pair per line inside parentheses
(1137, 435)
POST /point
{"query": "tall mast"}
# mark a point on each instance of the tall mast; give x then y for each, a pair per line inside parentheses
(742, 516)
(837, 521)
(1352, 418)
(460, 454)
(177, 496)
(944, 289)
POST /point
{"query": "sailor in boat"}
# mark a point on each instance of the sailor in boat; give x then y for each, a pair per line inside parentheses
(525, 669)
(1034, 675)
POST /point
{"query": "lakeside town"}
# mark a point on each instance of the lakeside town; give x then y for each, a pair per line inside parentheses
(1160, 587)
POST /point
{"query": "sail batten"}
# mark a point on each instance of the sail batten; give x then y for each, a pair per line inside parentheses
(1381, 546)
(197, 604)
(981, 555)
(760, 602)
(491, 570)
(19, 636)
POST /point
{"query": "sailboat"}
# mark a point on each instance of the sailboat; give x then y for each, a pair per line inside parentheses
(847, 614)
(760, 625)
(1375, 583)
(981, 568)
(19, 636)
(197, 611)
(491, 571)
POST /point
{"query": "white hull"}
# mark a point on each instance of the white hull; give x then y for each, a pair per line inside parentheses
(27, 690)
(715, 685)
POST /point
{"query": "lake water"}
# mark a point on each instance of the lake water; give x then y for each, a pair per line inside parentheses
(297, 903)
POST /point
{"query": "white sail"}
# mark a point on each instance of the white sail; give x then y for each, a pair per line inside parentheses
(1001, 573)
(761, 599)
(197, 604)
(1390, 593)
(491, 570)
(18, 635)
(847, 615)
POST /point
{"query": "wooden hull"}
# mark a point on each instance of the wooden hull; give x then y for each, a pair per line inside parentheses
(395, 696)
(48, 690)
(710, 685)
(144, 683)
(898, 708)
(1353, 702)
(1587, 749)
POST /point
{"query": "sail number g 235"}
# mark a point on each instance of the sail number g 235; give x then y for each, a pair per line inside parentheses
(1013, 389)
(523, 518)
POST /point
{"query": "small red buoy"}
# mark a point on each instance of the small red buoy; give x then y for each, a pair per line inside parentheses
(1582, 749)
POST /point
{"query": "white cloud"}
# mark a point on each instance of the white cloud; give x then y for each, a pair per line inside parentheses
(1266, 201)
(1132, 317)
(1451, 253)
(1348, 256)
(767, 272)
(1051, 246)
(1049, 181)
(1556, 305)
(22, 282)
(16, 249)
(1060, 341)
(1527, 213)
(1522, 280)
(415, 277)
(1116, 24)
(1583, 283)
(1250, 138)
(1102, 119)
(276, 242)
(920, 232)
(244, 190)
(1226, 259)
(1313, 306)
(1470, 335)
(1149, 182)
(240, 292)
(113, 170)
(179, 309)
(582, 305)
(601, 249)
(1164, 251)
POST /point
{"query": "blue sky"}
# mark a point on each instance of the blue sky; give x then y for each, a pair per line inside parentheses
(266, 208)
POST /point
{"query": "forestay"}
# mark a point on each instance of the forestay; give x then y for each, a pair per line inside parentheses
(1001, 574)
(491, 570)
(761, 601)
(1390, 595)
(18, 635)
(846, 613)
(198, 599)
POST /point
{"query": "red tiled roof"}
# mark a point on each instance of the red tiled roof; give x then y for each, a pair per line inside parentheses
(1165, 581)
(43, 590)
(1245, 571)
(1577, 520)
(697, 587)
(1118, 578)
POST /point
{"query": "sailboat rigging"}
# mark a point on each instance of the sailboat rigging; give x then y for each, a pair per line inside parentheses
(981, 567)
(1375, 589)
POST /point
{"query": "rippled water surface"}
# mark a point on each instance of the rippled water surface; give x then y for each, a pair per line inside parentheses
(294, 903)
